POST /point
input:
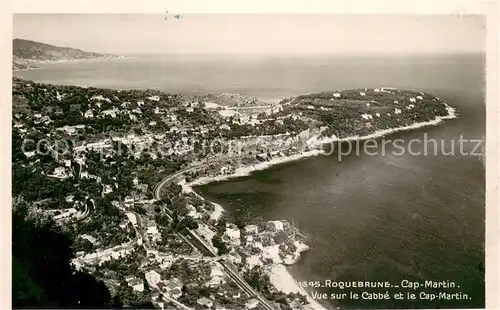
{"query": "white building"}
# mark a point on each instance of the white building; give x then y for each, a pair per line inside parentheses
(251, 229)
(397, 111)
(235, 258)
(192, 212)
(66, 214)
(252, 303)
(413, 100)
(153, 278)
(225, 127)
(60, 172)
(205, 302)
(29, 154)
(216, 274)
(108, 189)
(174, 287)
(232, 234)
(68, 129)
(154, 98)
(101, 97)
(136, 284)
(278, 225)
(89, 114)
(59, 96)
(111, 112)
(152, 230)
(366, 116)
(128, 201)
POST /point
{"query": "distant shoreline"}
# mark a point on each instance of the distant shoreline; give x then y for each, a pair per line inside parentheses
(35, 62)
(280, 277)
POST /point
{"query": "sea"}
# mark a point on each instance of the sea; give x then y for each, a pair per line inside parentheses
(388, 217)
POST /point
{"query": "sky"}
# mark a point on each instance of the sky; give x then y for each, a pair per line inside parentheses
(256, 34)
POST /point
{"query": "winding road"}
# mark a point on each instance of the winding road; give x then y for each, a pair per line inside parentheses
(204, 248)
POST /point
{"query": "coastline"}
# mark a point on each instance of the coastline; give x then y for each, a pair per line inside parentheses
(35, 62)
(279, 275)
(247, 170)
(452, 113)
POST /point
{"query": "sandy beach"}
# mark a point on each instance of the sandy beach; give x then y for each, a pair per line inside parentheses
(247, 170)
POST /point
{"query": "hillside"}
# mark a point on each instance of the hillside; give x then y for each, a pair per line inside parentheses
(26, 51)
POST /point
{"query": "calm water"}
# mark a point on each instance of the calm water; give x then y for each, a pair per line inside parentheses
(367, 217)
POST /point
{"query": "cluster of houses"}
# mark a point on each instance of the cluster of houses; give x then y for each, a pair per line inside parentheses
(101, 256)
(261, 247)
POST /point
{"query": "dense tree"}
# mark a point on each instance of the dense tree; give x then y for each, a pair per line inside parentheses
(41, 272)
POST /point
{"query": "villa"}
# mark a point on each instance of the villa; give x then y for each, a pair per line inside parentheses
(60, 172)
(136, 284)
(153, 278)
(101, 97)
(205, 302)
(232, 234)
(89, 114)
(225, 127)
(193, 213)
(251, 229)
(111, 112)
(174, 287)
(216, 274)
(152, 229)
(277, 225)
(252, 303)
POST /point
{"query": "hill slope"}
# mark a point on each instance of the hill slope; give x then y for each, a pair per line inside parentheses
(26, 51)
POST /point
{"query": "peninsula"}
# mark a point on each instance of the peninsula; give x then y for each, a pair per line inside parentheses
(114, 170)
